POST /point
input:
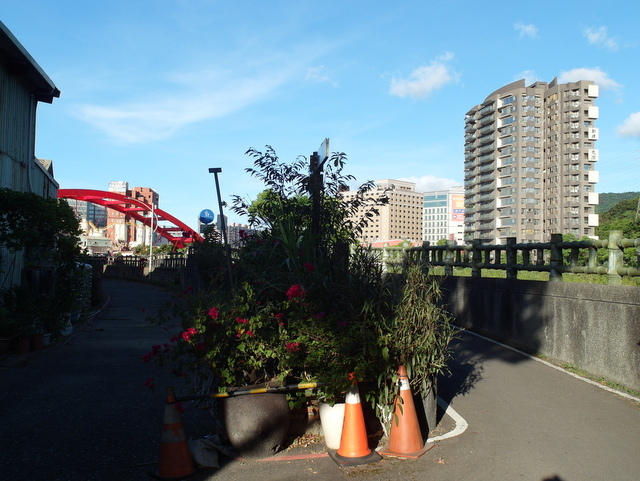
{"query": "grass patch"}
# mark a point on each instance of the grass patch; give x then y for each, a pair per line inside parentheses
(599, 379)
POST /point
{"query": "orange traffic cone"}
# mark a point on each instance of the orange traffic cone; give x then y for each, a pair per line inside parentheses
(354, 445)
(405, 438)
(175, 458)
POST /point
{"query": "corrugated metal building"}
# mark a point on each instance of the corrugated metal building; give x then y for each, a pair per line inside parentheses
(23, 84)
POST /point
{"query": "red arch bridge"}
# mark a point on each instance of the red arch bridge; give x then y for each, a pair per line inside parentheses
(172, 229)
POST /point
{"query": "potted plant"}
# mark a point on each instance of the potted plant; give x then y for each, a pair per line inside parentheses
(302, 307)
(417, 337)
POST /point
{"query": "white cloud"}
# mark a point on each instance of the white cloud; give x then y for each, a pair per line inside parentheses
(598, 76)
(598, 36)
(529, 77)
(195, 97)
(428, 183)
(317, 74)
(526, 30)
(630, 127)
(425, 80)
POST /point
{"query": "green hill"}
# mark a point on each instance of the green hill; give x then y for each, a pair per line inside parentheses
(620, 216)
(609, 199)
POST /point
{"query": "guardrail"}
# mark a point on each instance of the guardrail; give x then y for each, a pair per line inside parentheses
(555, 257)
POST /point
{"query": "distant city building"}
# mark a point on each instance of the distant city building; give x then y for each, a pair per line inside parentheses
(444, 215)
(399, 219)
(529, 165)
(92, 216)
(122, 229)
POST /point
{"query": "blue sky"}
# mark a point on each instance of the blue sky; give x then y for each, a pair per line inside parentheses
(154, 92)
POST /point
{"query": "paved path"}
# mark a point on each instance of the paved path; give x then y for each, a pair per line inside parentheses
(80, 411)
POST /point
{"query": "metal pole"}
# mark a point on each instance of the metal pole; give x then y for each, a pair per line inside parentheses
(151, 240)
(223, 225)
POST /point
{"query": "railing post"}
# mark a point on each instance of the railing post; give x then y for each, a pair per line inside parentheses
(556, 258)
(615, 258)
(425, 259)
(476, 258)
(512, 272)
(448, 258)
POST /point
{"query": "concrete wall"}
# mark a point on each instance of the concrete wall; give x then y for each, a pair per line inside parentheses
(595, 327)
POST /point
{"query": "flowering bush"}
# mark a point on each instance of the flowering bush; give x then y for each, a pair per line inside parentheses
(306, 303)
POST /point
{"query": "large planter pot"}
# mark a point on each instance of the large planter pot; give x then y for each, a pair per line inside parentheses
(427, 407)
(331, 420)
(21, 345)
(37, 341)
(5, 344)
(256, 424)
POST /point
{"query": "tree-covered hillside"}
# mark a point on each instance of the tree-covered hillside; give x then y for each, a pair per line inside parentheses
(622, 216)
(609, 199)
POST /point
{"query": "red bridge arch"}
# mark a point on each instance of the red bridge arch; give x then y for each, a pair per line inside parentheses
(179, 234)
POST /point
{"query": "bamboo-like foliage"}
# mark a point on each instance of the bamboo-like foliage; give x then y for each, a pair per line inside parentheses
(417, 337)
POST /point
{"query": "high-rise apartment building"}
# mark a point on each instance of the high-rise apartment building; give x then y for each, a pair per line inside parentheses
(529, 162)
(443, 215)
(399, 218)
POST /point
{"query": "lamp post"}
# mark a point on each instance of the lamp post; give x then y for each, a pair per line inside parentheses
(223, 225)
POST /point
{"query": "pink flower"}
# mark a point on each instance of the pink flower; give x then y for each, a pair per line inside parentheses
(213, 313)
(309, 267)
(295, 291)
(241, 321)
(292, 346)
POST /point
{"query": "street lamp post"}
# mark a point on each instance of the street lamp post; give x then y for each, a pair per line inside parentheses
(223, 224)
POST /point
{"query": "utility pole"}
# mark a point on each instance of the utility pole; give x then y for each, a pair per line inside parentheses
(223, 225)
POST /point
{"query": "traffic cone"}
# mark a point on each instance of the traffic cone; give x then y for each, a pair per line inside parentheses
(405, 438)
(175, 458)
(354, 445)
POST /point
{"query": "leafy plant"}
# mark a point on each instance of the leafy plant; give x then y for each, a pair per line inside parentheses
(417, 337)
(46, 232)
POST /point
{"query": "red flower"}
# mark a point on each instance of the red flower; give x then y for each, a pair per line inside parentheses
(292, 346)
(241, 321)
(149, 384)
(309, 267)
(295, 291)
(249, 333)
(213, 313)
(188, 334)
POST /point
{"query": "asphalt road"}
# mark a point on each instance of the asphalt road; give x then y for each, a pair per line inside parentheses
(79, 410)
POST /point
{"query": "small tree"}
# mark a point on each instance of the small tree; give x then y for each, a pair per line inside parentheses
(47, 232)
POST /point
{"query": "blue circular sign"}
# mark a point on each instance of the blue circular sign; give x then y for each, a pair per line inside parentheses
(206, 216)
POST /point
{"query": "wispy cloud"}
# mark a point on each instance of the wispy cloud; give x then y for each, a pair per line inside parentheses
(526, 30)
(318, 75)
(529, 77)
(159, 117)
(429, 183)
(599, 36)
(426, 79)
(630, 127)
(598, 76)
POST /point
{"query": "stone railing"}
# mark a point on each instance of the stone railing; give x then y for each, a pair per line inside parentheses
(555, 257)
